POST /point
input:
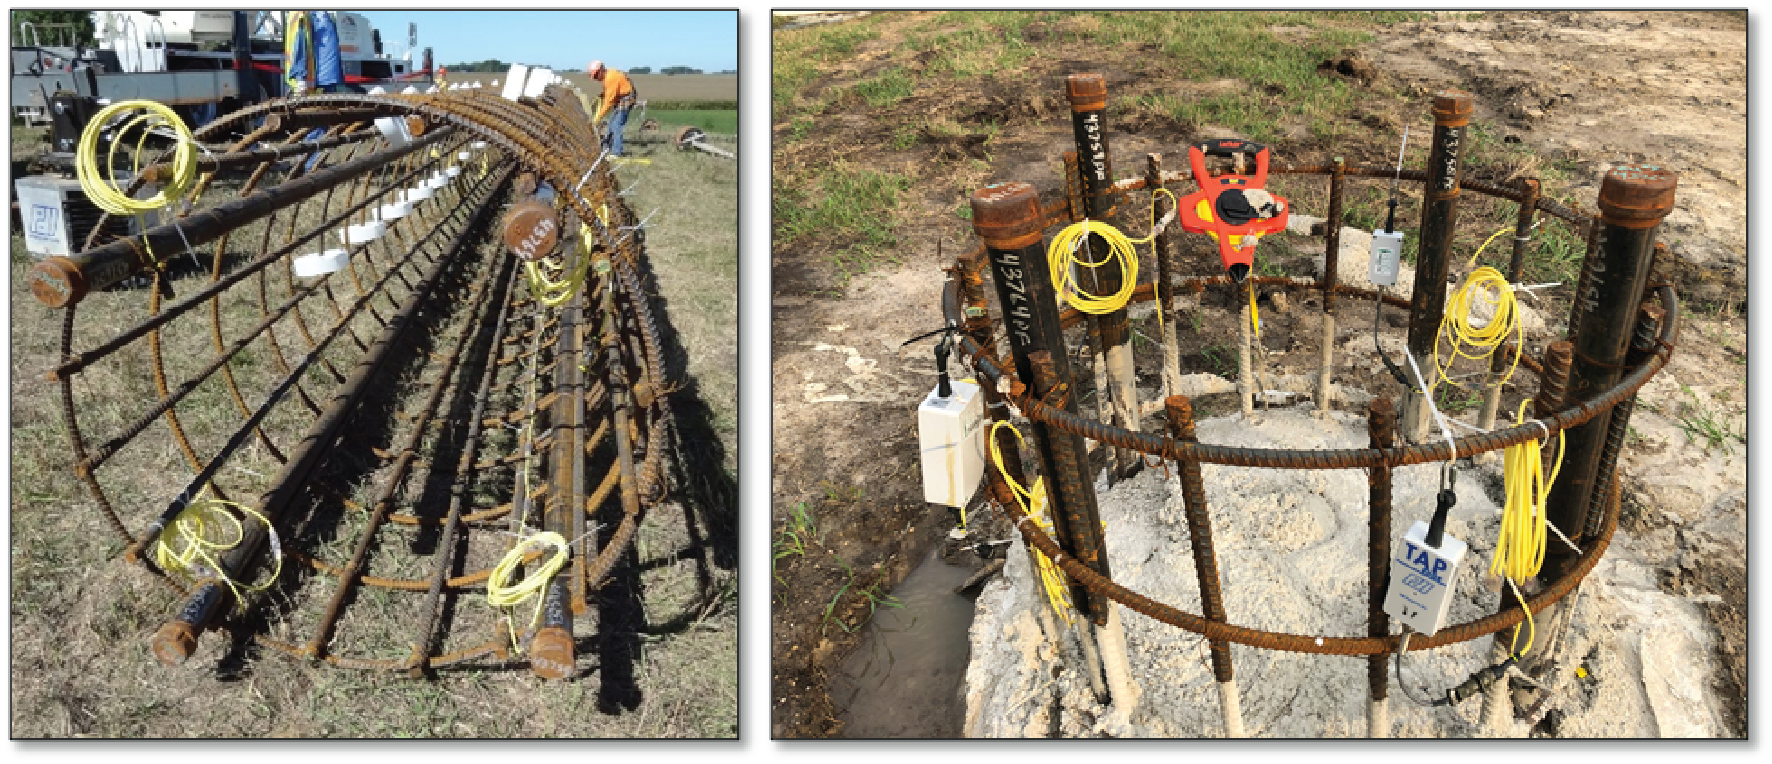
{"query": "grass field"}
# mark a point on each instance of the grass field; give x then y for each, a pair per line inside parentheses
(723, 122)
(82, 618)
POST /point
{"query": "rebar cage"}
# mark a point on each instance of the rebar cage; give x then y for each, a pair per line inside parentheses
(391, 431)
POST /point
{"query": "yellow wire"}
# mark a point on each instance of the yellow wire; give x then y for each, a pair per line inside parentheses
(552, 293)
(1519, 549)
(1254, 312)
(199, 538)
(1455, 325)
(1051, 578)
(1062, 253)
(100, 182)
(503, 594)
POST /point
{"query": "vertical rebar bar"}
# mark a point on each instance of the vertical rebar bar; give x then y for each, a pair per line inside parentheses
(1445, 163)
(1649, 318)
(1381, 426)
(1633, 201)
(1165, 291)
(1180, 412)
(1331, 276)
(1073, 195)
(1088, 98)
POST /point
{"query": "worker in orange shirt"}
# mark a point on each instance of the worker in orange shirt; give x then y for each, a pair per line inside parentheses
(619, 97)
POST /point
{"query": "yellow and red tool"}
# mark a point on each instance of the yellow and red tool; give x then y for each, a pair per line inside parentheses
(1225, 209)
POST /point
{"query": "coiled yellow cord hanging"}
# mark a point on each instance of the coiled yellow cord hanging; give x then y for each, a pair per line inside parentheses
(1519, 549)
(1062, 254)
(1033, 504)
(501, 593)
(100, 182)
(200, 535)
(1489, 285)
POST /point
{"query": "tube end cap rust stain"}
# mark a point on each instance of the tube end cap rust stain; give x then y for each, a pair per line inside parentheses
(550, 653)
(174, 643)
(1637, 195)
(1452, 108)
(1007, 215)
(415, 125)
(57, 282)
(530, 229)
(1088, 92)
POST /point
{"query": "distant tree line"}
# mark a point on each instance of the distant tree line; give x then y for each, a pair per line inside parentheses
(81, 20)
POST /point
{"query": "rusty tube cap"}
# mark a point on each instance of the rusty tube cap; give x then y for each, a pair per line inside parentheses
(530, 229)
(1637, 195)
(1452, 108)
(1007, 215)
(415, 125)
(550, 653)
(57, 282)
(1088, 92)
(174, 643)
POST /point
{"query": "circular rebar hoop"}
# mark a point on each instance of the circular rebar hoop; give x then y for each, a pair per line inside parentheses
(967, 274)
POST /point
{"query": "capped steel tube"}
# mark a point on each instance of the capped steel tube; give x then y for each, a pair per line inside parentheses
(1427, 305)
(1634, 199)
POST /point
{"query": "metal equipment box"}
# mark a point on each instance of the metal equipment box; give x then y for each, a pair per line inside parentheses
(57, 216)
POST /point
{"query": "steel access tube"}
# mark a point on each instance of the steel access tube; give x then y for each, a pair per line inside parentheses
(62, 281)
(1634, 199)
(1452, 112)
(1007, 217)
(1088, 98)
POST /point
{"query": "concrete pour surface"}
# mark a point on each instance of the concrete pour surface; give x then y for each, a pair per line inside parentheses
(1292, 556)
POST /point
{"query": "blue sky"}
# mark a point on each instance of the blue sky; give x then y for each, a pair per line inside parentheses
(706, 40)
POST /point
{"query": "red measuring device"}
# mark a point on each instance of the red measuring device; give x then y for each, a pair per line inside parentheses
(1221, 210)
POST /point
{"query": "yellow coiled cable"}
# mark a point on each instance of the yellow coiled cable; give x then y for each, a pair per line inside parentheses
(1519, 548)
(1487, 284)
(100, 181)
(199, 536)
(501, 593)
(1033, 504)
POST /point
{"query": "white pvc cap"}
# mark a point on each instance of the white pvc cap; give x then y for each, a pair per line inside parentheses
(318, 264)
(378, 90)
(409, 90)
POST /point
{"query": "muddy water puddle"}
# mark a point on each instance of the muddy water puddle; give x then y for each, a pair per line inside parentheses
(904, 679)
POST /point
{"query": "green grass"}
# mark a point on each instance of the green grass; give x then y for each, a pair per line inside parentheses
(885, 90)
(801, 529)
(871, 594)
(720, 121)
(847, 204)
(1704, 424)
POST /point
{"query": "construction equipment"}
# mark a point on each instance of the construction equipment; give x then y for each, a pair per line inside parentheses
(692, 137)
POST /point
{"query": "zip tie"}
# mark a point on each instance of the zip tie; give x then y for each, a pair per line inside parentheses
(1438, 417)
(1541, 426)
(1560, 535)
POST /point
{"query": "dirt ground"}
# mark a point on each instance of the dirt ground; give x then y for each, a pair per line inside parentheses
(1582, 91)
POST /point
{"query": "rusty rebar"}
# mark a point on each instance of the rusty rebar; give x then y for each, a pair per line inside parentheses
(1199, 528)
(1381, 427)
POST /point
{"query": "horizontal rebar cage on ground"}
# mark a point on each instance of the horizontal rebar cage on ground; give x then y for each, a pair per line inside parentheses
(357, 389)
